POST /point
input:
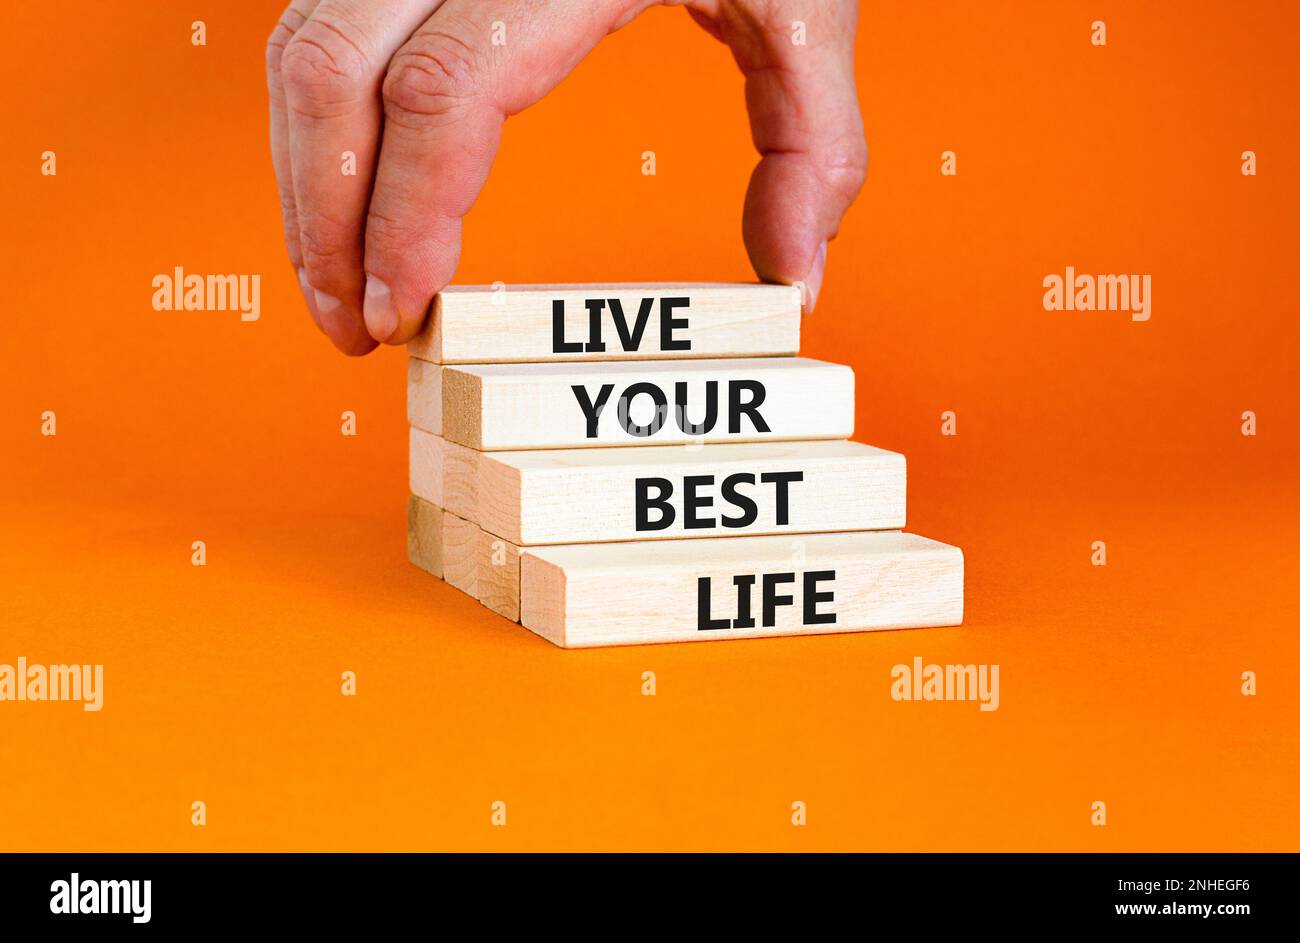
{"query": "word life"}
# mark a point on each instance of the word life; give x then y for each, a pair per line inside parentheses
(771, 599)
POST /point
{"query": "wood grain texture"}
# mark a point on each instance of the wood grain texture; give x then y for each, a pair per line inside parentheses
(460, 553)
(585, 595)
(633, 593)
(424, 535)
(557, 496)
(494, 407)
(514, 323)
(497, 574)
(424, 395)
(445, 474)
(467, 557)
(429, 463)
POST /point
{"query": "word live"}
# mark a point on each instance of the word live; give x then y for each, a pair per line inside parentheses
(629, 337)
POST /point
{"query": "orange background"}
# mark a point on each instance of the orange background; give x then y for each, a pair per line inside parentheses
(1119, 684)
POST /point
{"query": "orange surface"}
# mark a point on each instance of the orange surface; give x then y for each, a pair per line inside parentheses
(1119, 684)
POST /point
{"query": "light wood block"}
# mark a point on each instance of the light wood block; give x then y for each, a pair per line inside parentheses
(685, 590)
(497, 574)
(460, 553)
(594, 495)
(494, 407)
(446, 474)
(467, 557)
(428, 454)
(517, 323)
(584, 595)
(424, 535)
(424, 395)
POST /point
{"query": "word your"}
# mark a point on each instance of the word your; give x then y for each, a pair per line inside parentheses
(181, 292)
(946, 683)
(629, 338)
(736, 407)
(25, 682)
(75, 896)
(693, 502)
(1098, 293)
(770, 600)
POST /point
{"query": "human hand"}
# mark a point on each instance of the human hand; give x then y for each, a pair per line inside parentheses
(416, 89)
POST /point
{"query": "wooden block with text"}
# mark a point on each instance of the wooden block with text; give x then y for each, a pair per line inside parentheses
(495, 407)
(723, 489)
(585, 595)
(520, 323)
(579, 596)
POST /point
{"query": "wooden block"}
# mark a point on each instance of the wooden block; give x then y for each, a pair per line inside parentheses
(428, 474)
(583, 595)
(424, 535)
(740, 587)
(424, 395)
(498, 575)
(470, 559)
(492, 407)
(460, 553)
(557, 496)
(445, 474)
(518, 323)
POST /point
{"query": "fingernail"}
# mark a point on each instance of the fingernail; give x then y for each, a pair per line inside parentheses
(326, 304)
(813, 283)
(307, 294)
(378, 309)
(333, 318)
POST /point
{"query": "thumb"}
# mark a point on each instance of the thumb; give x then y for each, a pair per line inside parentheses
(803, 111)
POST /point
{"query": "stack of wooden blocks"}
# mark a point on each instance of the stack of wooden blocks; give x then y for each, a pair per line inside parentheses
(620, 464)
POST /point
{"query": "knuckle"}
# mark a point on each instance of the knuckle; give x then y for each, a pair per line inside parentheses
(289, 221)
(384, 234)
(432, 75)
(323, 74)
(288, 204)
(288, 24)
(844, 166)
(324, 251)
(390, 239)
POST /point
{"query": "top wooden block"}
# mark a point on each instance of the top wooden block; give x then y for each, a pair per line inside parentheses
(651, 321)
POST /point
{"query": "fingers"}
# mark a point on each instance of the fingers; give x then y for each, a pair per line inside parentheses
(446, 96)
(332, 69)
(803, 110)
(289, 23)
(342, 74)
